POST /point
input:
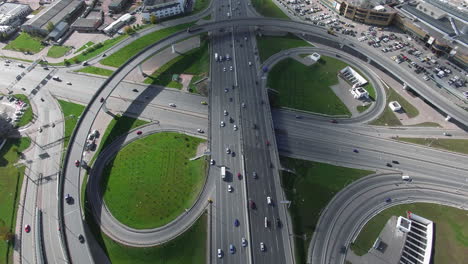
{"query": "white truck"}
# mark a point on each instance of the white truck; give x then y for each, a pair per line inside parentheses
(223, 172)
(216, 57)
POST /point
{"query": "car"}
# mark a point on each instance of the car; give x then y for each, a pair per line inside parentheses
(21, 65)
(446, 134)
(268, 143)
(69, 83)
(230, 99)
(27, 228)
(81, 238)
(243, 105)
(200, 131)
(220, 253)
(269, 200)
(389, 164)
(395, 162)
(226, 90)
(252, 204)
(239, 176)
(77, 163)
(224, 68)
(250, 63)
(278, 222)
(203, 103)
(231, 120)
(236, 223)
(68, 198)
(334, 121)
(355, 151)
(212, 162)
(254, 174)
(172, 105)
(135, 90)
(298, 116)
(229, 188)
(225, 113)
(235, 128)
(101, 100)
(228, 150)
(230, 68)
(139, 132)
(232, 249)
(388, 200)
(222, 124)
(244, 242)
(262, 246)
(104, 55)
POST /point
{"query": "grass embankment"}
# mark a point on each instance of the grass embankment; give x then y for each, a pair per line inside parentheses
(451, 231)
(85, 46)
(71, 113)
(28, 114)
(309, 191)
(120, 57)
(96, 70)
(25, 43)
(270, 45)
(194, 62)
(307, 87)
(199, 6)
(11, 181)
(151, 181)
(388, 117)
(456, 145)
(58, 51)
(268, 8)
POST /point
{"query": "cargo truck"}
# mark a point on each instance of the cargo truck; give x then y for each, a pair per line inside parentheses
(223, 172)
(216, 57)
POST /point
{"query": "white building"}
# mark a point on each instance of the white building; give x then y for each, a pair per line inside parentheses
(314, 57)
(395, 106)
(359, 92)
(120, 22)
(352, 76)
(163, 8)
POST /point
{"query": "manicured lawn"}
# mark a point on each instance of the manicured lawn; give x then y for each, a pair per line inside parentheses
(456, 145)
(151, 181)
(11, 180)
(120, 57)
(96, 70)
(25, 42)
(58, 51)
(310, 190)
(426, 124)
(71, 112)
(451, 230)
(85, 46)
(307, 87)
(195, 62)
(208, 17)
(362, 108)
(199, 6)
(28, 114)
(388, 117)
(270, 45)
(268, 8)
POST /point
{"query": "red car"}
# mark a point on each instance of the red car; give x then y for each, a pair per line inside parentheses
(239, 176)
(139, 132)
(252, 204)
(102, 99)
(77, 163)
(27, 228)
(334, 121)
(268, 143)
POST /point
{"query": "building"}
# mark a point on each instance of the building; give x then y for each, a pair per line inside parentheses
(395, 106)
(58, 31)
(12, 15)
(116, 6)
(163, 8)
(352, 76)
(120, 22)
(58, 11)
(374, 12)
(418, 232)
(442, 30)
(314, 57)
(88, 24)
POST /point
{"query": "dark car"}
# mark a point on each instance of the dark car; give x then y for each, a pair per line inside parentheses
(254, 174)
(278, 222)
(236, 223)
(389, 164)
(135, 90)
(68, 198)
(355, 151)
(77, 163)
(239, 176)
(102, 99)
(268, 143)
(395, 162)
(81, 238)
(252, 204)
(334, 121)
(388, 200)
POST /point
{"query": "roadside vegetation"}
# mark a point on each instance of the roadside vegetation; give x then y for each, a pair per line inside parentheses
(124, 54)
(307, 87)
(426, 124)
(451, 231)
(25, 43)
(85, 46)
(28, 114)
(96, 70)
(362, 108)
(310, 189)
(268, 8)
(455, 145)
(71, 113)
(194, 62)
(152, 180)
(199, 6)
(270, 45)
(388, 117)
(58, 51)
(11, 181)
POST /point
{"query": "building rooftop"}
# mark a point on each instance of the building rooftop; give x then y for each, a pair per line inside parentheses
(55, 13)
(8, 10)
(86, 22)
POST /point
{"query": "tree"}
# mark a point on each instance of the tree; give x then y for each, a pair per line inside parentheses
(50, 26)
(153, 19)
(129, 30)
(66, 62)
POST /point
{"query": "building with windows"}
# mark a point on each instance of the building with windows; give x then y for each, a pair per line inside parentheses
(58, 11)
(12, 15)
(163, 8)
(117, 6)
(374, 12)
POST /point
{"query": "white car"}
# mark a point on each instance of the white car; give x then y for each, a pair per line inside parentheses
(235, 127)
(222, 124)
(69, 83)
(244, 242)
(172, 105)
(230, 68)
(243, 105)
(224, 68)
(228, 150)
(212, 162)
(250, 63)
(262, 246)
(229, 188)
(200, 131)
(220, 253)
(225, 112)
(269, 200)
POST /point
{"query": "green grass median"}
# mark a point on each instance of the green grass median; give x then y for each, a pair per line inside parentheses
(388, 117)
(307, 87)
(456, 145)
(270, 45)
(25, 43)
(124, 54)
(268, 8)
(11, 181)
(151, 181)
(310, 189)
(58, 51)
(96, 71)
(71, 113)
(450, 236)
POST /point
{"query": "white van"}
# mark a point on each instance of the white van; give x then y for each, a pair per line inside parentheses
(269, 200)
(266, 222)
(406, 178)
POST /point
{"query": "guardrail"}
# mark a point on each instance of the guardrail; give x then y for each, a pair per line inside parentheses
(39, 245)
